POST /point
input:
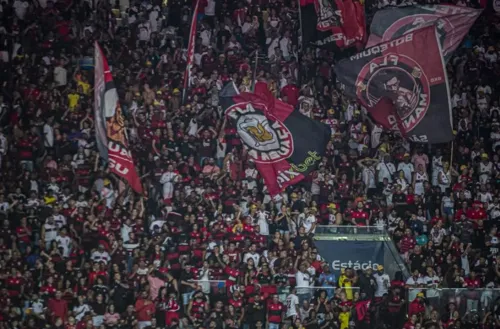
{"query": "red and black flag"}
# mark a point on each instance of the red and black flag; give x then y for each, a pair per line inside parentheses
(285, 145)
(111, 134)
(332, 24)
(190, 50)
(452, 22)
(403, 84)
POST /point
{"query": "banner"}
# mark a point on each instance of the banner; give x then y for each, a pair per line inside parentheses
(358, 255)
(285, 145)
(111, 135)
(190, 51)
(452, 22)
(410, 72)
(333, 24)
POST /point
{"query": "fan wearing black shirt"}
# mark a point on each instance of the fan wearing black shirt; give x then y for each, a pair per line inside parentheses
(99, 308)
(128, 320)
(399, 201)
(311, 322)
(120, 293)
(187, 283)
(100, 288)
(433, 198)
(256, 312)
(417, 259)
(331, 322)
(281, 279)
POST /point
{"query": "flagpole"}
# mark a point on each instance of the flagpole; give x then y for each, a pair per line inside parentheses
(254, 75)
(301, 37)
(451, 155)
(190, 51)
(300, 28)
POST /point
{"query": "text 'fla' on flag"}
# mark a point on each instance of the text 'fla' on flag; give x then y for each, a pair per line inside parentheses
(403, 85)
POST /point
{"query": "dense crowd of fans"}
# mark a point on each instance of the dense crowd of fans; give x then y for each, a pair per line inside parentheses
(206, 246)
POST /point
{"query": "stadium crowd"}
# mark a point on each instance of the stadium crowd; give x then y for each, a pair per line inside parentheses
(206, 246)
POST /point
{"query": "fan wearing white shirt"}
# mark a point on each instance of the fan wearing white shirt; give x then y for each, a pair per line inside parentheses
(247, 26)
(456, 100)
(64, 242)
(108, 193)
(491, 56)
(437, 233)
(154, 18)
(20, 7)
(484, 195)
(4, 145)
(310, 222)
(485, 89)
(251, 175)
(303, 279)
(252, 253)
(432, 282)
(383, 281)
(495, 135)
(48, 132)
(413, 281)
(144, 29)
(407, 167)
(59, 219)
(49, 232)
(60, 75)
(210, 8)
(4, 205)
(385, 169)
(81, 203)
(126, 229)
(272, 43)
(262, 217)
(292, 305)
(100, 255)
(81, 309)
(286, 45)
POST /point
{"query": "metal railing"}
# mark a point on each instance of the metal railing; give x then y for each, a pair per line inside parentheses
(312, 293)
(213, 287)
(350, 229)
(466, 301)
(219, 288)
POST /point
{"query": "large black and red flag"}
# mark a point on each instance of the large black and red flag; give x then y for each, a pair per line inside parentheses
(111, 134)
(285, 145)
(332, 24)
(453, 23)
(403, 85)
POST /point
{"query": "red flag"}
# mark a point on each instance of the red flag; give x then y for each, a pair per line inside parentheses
(361, 19)
(335, 24)
(362, 308)
(111, 134)
(350, 26)
(385, 113)
(190, 50)
(284, 144)
(452, 22)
